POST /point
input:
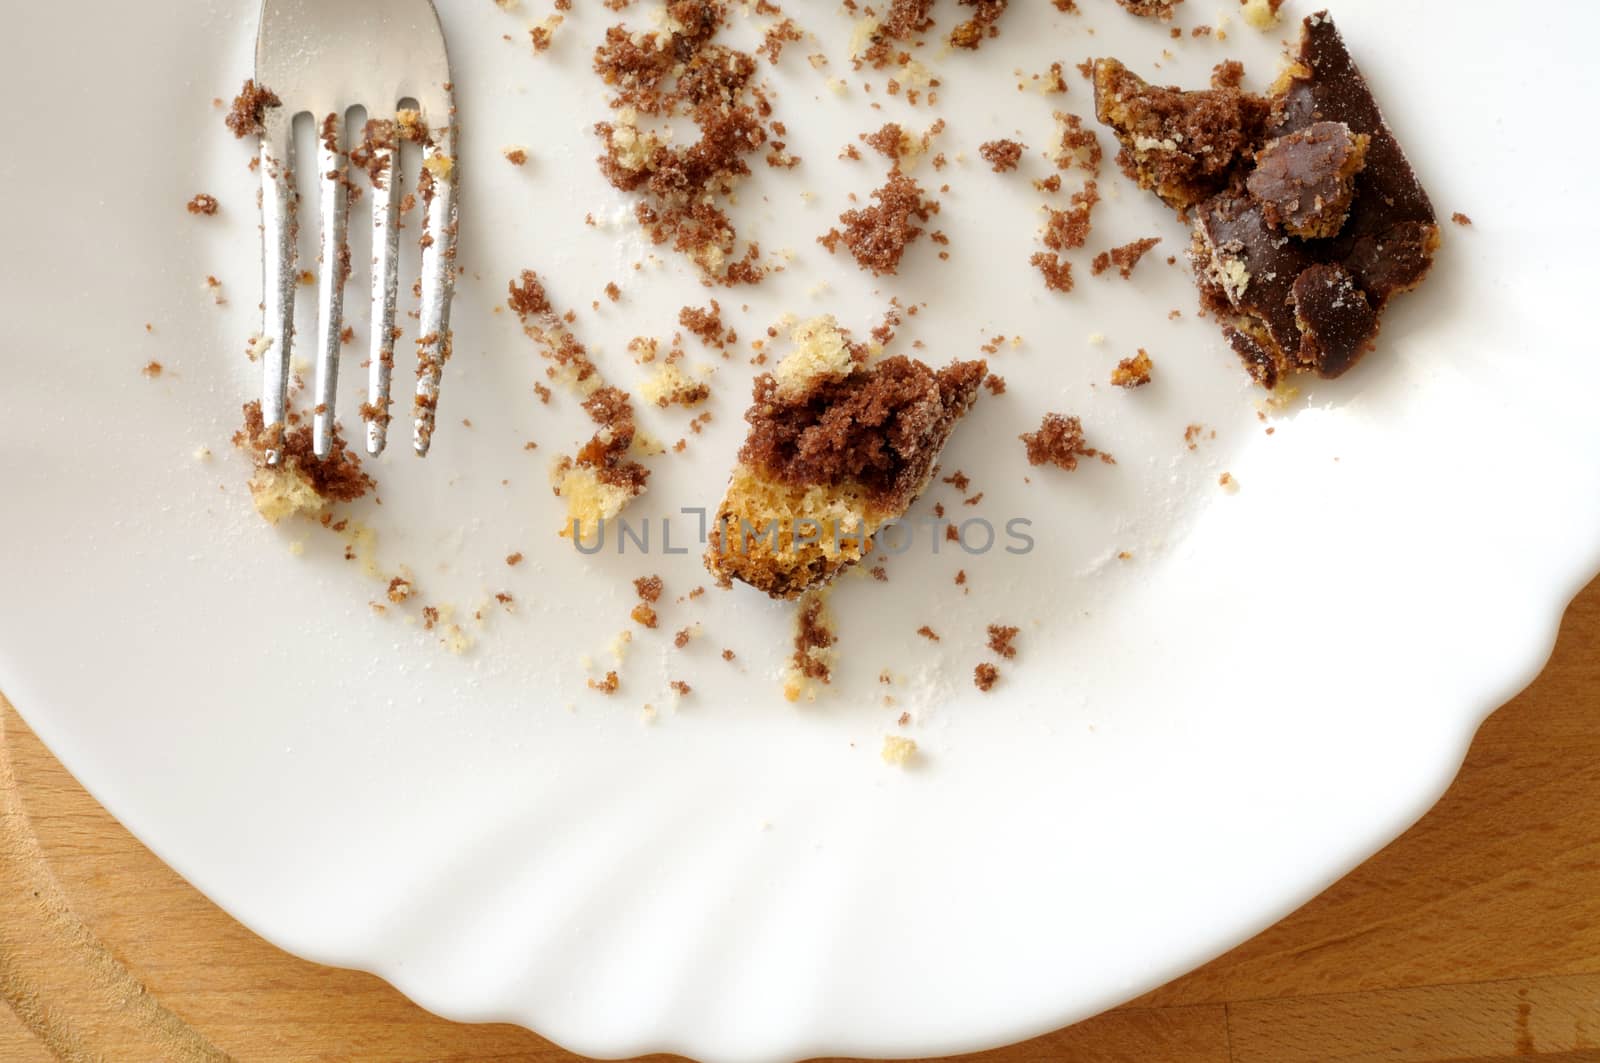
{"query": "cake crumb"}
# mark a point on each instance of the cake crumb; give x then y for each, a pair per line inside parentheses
(244, 117)
(644, 615)
(400, 589)
(152, 369)
(1261, 14)
(1124, 258)
(202, 204)
(928, 633)
(1060, 442)
(814, 638)
(1056, 271)
(1001, 640)
(1002, 155)
(985, 676)
(514, 559)
(607, 686)
(1133, 372)
(1228, 483)
(877, 236)
(516, 156)
(898, 750)
(1460, 219)
(649, 588)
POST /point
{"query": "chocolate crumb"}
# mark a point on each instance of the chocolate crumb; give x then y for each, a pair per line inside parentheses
(249, 107)
(1124, 258)
(1001, 638)
(1060, 442)
(878, 235)
(1002, 155)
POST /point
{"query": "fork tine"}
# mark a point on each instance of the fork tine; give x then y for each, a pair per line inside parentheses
(279, 205)
(334, 211)
(385, 281)
(438, 182)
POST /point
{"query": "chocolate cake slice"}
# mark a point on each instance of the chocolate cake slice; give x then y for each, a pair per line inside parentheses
(1314, 223)
(837, 448)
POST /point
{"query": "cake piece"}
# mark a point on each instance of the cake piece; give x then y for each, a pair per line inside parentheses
(1306, 180)
(1314, 224)
(1183, 146)
(301, 482)
(1161, 9)
(837, 448)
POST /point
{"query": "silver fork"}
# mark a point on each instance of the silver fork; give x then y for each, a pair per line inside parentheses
(325, 57)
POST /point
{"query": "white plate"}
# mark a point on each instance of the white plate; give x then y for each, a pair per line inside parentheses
(1190, 743)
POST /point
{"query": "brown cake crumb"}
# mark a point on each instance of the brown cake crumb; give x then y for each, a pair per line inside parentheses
(1132, 372)
(777, 36)
(602, 477)
(1460, 219)
(1124, 258)
(613, 292)
(727, 655)
(249, 107)
(1161, 9)
(1057, 271)
(1060, 442)
(928, 633)
(983, 23)
(516, 156)
(683, 637)
(649, 588)
(400, 589)
(608, 686)
(995, 383)
(202, 204)
(680, 688)
(152, 369)
(644, 615)
(812, 663)
(985, 676)
(683, 72)
(1001, 638)
(1067, 230)
(1002, 155)
(1079, 146)
(877, 236)
(514, 559)
(706, 324)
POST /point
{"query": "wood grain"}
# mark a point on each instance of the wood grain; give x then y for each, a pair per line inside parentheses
(1473, 939)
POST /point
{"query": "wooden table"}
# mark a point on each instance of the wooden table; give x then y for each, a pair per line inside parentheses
(1474, 938)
